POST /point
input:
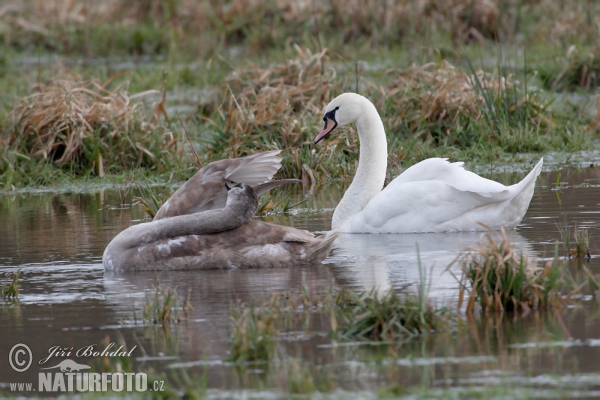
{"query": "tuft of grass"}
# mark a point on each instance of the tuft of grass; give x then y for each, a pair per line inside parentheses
(10, 288)
(149, 200)
(499, 277)
(277, 202)
(272, 108)
(387, 316)
(392, 391)
(578, 245)
(87, 128)
(253, 336)
(300, 378)
(165, 306)
(446, 106)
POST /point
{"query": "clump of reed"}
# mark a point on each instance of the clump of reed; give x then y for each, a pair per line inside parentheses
(387, 316)
(440, 100)
(577, 245)
(149, 200)
(84, 126)
(276, 202)
(274, 99)
(301, 379)
(11, 287)
(254, 332)
(498, 277)
(166, 306)
(275, 107)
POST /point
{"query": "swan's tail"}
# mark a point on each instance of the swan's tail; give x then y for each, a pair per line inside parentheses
(536, 170)
(523, 192)
(527, 183)
(320, 248)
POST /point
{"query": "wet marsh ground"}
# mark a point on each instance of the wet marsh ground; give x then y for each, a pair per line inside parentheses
(92, 97)
(476, 82)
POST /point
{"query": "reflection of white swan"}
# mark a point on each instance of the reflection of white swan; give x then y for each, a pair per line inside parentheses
(431, 196)
(381, 262)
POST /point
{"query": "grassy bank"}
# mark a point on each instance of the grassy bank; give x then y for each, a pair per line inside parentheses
(91, 90)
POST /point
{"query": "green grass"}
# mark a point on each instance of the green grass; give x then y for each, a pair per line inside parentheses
(276, 202)
(11, 287)
(498, 277)
(208, 54)
(253, 337)
(577, 245)
(387, 316)
(166, 306)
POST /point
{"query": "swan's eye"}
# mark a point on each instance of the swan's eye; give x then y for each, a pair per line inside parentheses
(330, 115)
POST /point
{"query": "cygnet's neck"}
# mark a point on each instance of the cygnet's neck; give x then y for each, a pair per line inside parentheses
(372, 165)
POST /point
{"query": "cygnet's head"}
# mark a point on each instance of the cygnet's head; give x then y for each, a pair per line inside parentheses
(345, 109)
(242, 197)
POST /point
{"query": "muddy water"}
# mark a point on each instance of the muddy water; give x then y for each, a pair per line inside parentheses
(66, 300)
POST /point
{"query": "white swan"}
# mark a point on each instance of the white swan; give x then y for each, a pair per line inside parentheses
(431, 196)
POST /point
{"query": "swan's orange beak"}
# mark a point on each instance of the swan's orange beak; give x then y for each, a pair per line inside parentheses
(330, 125)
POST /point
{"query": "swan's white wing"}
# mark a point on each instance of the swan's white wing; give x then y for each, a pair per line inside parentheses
(453, 174)
(459, 204)
(206, 189)
(421, 206)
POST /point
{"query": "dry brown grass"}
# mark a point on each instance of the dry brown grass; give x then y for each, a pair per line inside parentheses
(377, 21)
(277, 95)
(271, 107)
(71, 120)
(442, 95)
(278, 106)
(42, 16)
(465, 20)
(565, 22)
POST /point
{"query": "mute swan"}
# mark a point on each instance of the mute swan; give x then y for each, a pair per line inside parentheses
(212, 239)
(431, 196)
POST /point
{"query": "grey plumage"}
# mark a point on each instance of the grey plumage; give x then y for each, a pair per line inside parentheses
(225, 237)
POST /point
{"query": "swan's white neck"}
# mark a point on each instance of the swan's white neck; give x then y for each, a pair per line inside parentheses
(372, 166)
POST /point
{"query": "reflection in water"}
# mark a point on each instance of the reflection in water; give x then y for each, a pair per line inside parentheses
(380, 262)
(57, 240)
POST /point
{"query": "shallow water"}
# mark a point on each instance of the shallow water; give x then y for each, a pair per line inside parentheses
(66, 300)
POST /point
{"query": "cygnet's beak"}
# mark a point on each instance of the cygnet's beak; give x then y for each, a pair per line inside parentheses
(330, 124)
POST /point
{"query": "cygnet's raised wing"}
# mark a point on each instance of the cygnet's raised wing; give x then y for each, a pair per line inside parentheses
(206, 189)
